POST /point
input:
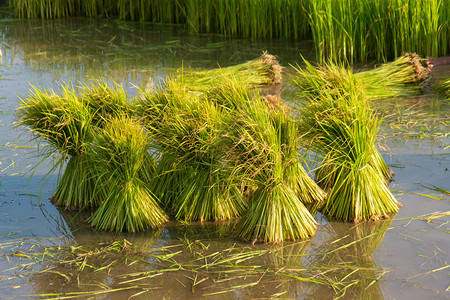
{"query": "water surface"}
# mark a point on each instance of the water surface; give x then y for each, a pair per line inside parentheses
(404, 257)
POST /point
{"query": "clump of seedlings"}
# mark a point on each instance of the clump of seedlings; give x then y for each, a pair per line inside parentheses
(264, 70)
(338, 123)
(444, 87)
(405, 76)
(195, 178)
(120, 154)
(68, 122)
(65, 124)
(265, 143)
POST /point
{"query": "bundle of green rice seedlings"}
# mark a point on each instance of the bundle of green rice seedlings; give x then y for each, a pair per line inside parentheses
(104, 101)
(264, 70)
(238, 99)
(444, 87)
(64, 123)
(333, 81)
(312, 80)
(193, 173)
(357, 192)
(119, 152)
(276, 211)
(265, 147)
(405, 76)
(338, 122)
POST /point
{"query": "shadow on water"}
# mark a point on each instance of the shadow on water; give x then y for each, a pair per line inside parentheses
(44, 250)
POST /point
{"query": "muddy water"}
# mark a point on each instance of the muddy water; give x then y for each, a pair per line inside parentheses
(404, 257)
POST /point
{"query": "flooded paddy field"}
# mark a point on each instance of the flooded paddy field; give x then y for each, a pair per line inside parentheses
(49, 253)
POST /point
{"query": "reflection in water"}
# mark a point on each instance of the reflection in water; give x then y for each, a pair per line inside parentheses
(185, 269)
(351, 247)
(91, 260)
(87, 48)
(128, 51)
(204, 259)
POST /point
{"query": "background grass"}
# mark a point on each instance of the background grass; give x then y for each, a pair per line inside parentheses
(351, 30)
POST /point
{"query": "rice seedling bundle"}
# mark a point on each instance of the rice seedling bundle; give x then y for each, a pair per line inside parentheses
(264, 70)
(194, 177)
(239, 100)
(64, 122)
(405, 76)
(327, 171)
(444, 87)
(338, 122)
(68, 123)
(120, 153)
(265, 157)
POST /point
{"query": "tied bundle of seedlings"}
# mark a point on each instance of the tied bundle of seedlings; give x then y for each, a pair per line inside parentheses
(194, 175)
(264, 70)
(64, 123)
(333, 81)
(341, 127)
(444, 87)
(120, 153)
(405, 76)
(265, 144)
